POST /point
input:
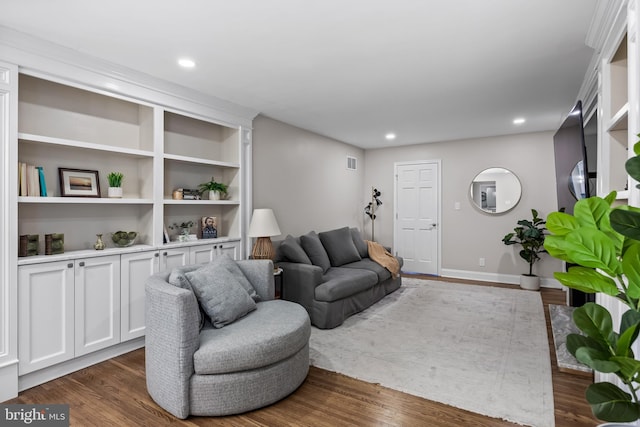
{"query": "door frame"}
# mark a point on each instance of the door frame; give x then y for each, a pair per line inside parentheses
(438, 162)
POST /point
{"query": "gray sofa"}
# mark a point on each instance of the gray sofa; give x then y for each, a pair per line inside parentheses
(195, 368)
(331, 275)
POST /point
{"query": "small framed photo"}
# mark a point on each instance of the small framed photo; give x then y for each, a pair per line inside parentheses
(208, 227)
(79, 183)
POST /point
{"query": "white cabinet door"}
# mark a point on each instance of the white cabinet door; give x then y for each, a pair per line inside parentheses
(135, 269)
(97, 303)
(171, 258)
(45, 312)
(230, 248)
(202, 254)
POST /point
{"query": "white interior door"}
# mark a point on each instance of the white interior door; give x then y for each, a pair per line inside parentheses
(417, 216)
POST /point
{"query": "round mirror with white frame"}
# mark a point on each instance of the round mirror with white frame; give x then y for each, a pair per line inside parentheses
(495, 190)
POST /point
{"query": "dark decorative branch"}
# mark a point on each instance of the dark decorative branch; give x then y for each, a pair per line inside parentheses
(370, 209)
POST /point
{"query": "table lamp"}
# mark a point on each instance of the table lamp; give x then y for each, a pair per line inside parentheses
(263, 226)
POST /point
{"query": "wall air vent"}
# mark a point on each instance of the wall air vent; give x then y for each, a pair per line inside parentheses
(352, 163)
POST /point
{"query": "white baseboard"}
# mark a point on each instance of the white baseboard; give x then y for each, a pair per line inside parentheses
(511, 279)
(41, 376)
(9, 381)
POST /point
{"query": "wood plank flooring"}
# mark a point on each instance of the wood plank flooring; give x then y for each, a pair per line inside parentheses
(114, 393)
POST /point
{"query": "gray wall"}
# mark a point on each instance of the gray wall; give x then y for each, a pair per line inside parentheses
(302, 176)
(469, 234)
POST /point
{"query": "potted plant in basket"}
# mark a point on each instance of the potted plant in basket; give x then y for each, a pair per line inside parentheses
(217, 190)
(603, 243)
(530, 234)
(115, 184)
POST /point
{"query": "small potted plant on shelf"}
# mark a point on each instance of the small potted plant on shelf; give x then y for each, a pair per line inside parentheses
(530, 234)
(602, 246)
(115, 184)
(185, 230)
(217, 190)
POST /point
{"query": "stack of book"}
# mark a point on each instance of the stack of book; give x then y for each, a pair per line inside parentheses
(53, 244)
(190, 194)
(28, 245)
(31, 181)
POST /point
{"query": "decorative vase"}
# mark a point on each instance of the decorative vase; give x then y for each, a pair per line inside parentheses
(530, 283)
(115, 192)
(99, 245)
(214, 195)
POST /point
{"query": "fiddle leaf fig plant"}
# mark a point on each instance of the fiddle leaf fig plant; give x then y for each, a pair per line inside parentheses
(602, 245)
(531, 235)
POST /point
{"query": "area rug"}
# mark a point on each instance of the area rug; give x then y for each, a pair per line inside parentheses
(482, 349)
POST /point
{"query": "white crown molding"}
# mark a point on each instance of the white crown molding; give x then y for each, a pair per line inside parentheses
(605, 18)
(41, 57)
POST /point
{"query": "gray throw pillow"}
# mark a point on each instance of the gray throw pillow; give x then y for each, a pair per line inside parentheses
(361, 245)
(220, 294)
(293, 252)
(179, 279)
(230, 264)
(339, 246)
(312, 246)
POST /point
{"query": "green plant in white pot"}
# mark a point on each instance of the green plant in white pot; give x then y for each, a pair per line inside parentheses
(115, 184)
(603, 246)
(217, 190)
(530, 234)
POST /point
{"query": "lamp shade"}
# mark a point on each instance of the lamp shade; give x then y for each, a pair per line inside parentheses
(263, 224)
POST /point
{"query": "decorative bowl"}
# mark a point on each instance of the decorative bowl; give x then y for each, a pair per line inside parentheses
(122, 239)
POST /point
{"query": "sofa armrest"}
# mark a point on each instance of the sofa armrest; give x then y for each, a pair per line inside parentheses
(260, 274)
(172, 337)
(299, 283)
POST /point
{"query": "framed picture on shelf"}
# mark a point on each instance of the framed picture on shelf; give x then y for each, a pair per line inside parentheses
(208, 227)
(79, 183)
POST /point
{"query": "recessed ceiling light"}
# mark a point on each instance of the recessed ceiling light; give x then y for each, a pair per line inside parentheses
(519, 121)
(390, 136)
(186, 63)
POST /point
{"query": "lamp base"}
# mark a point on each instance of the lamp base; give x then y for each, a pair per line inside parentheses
(263, 249)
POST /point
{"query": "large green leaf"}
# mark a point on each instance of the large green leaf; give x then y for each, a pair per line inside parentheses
(587, 280)
(609, 403)
(625, 341)
(560, 223)
(590, 211)
(557, 247)
(632, 166)
(575, 341)
(597, 360)
(629, 319)
(611, 197)
(626, 221)
(631, 269)
(629, 368)
(595, 321)
(590, 247)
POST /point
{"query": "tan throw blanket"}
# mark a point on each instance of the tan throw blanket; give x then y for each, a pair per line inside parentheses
(382, 256)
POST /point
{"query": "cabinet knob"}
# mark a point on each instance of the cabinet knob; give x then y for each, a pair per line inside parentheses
(81, 263)
(70, 265)
(157, 254)
(165, 253)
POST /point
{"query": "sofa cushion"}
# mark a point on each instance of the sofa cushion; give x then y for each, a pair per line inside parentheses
(361, 245)
(220, 294)
(369, 264)
(291, 251)
(276, 330)
(315, 251)
(340, 282)
(339, 246)
(230, 264)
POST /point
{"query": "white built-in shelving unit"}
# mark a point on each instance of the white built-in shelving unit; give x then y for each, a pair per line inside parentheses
(60, 313)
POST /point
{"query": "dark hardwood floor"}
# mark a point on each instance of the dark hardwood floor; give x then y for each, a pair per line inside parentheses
(114, 393)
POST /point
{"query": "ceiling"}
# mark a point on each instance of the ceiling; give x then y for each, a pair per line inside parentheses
(352, 70)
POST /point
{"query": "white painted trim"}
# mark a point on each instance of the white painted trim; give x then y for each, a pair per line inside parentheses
(9, 381)
(439, 209)
(511, 279)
